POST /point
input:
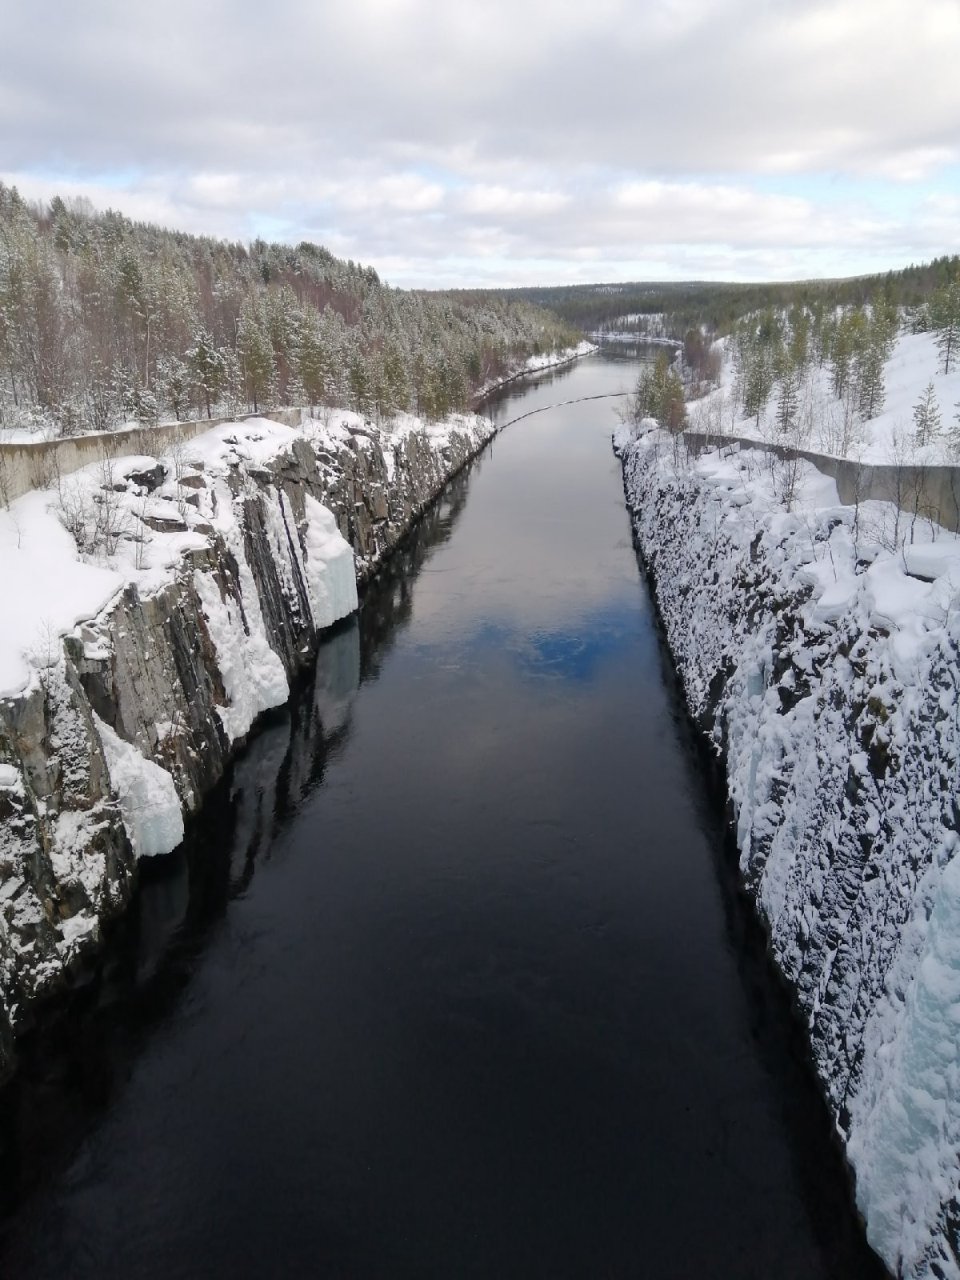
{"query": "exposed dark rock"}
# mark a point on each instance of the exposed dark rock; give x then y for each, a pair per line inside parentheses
(150, 479)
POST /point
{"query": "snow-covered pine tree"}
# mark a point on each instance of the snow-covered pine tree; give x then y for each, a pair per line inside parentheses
(788, 392)
(869, 373)
(255, 350)
(926, 417)
(206, 364)
(953, 436)
(945, 317)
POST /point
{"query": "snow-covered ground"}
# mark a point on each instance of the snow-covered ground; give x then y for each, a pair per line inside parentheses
(45, 429)
(825, 666)
(885, 439)
(535, 364)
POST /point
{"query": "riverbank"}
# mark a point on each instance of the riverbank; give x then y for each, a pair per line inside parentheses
(532, 366)
(146, 637)
(823, 669)
(38, 459)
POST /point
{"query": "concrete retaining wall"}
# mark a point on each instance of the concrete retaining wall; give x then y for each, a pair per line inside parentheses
(929, 491)
(37, 464)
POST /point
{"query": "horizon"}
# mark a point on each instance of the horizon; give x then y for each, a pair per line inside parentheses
(83, 205)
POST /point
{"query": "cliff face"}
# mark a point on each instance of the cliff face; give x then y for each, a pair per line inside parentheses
(230, 558)
(827, 677)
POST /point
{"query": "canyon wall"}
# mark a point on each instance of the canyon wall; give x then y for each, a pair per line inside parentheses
(824, 670)
(228, 560)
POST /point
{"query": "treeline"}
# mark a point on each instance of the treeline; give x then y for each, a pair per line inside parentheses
(674, 309)
(775, 350)
(103, 320)
(772, 351)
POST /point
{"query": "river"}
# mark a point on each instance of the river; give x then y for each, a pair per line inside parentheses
(451, 978)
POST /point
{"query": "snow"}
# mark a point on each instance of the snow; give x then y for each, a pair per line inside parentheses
(907, 1141)
(253, 675)
(77, 927)
(73, 852)
(328, 568)
(9, 777)
(934, 560)
(838, 715)
(48, 585)
(28, 435)
(148, 797)
(535, 364)
(45, 587)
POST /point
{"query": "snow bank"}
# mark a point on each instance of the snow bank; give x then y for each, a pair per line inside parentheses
(827, 676)
(45, 586)
(535, 364)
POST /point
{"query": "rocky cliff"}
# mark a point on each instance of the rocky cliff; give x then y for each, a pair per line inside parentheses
(217, 566)
(822, 660)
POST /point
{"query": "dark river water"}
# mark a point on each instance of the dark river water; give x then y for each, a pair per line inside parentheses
(451, 979)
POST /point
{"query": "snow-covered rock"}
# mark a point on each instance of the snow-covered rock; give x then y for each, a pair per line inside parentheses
(148, 798)
(154, 608)
(827, 677)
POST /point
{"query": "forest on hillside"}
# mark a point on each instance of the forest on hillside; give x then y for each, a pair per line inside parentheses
(104, 320)
(672, 309)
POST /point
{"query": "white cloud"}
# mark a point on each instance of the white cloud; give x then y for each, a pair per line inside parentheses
(496, 200)
(549, 133)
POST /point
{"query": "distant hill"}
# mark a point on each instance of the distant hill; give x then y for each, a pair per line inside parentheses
(674, 308)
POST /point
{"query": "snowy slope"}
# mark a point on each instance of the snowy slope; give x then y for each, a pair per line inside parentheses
(48, 584)
(887, 438)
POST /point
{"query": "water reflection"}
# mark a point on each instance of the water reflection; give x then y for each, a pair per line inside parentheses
(578, 655)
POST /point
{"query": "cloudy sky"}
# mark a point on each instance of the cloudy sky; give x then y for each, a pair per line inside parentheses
(508, 142)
